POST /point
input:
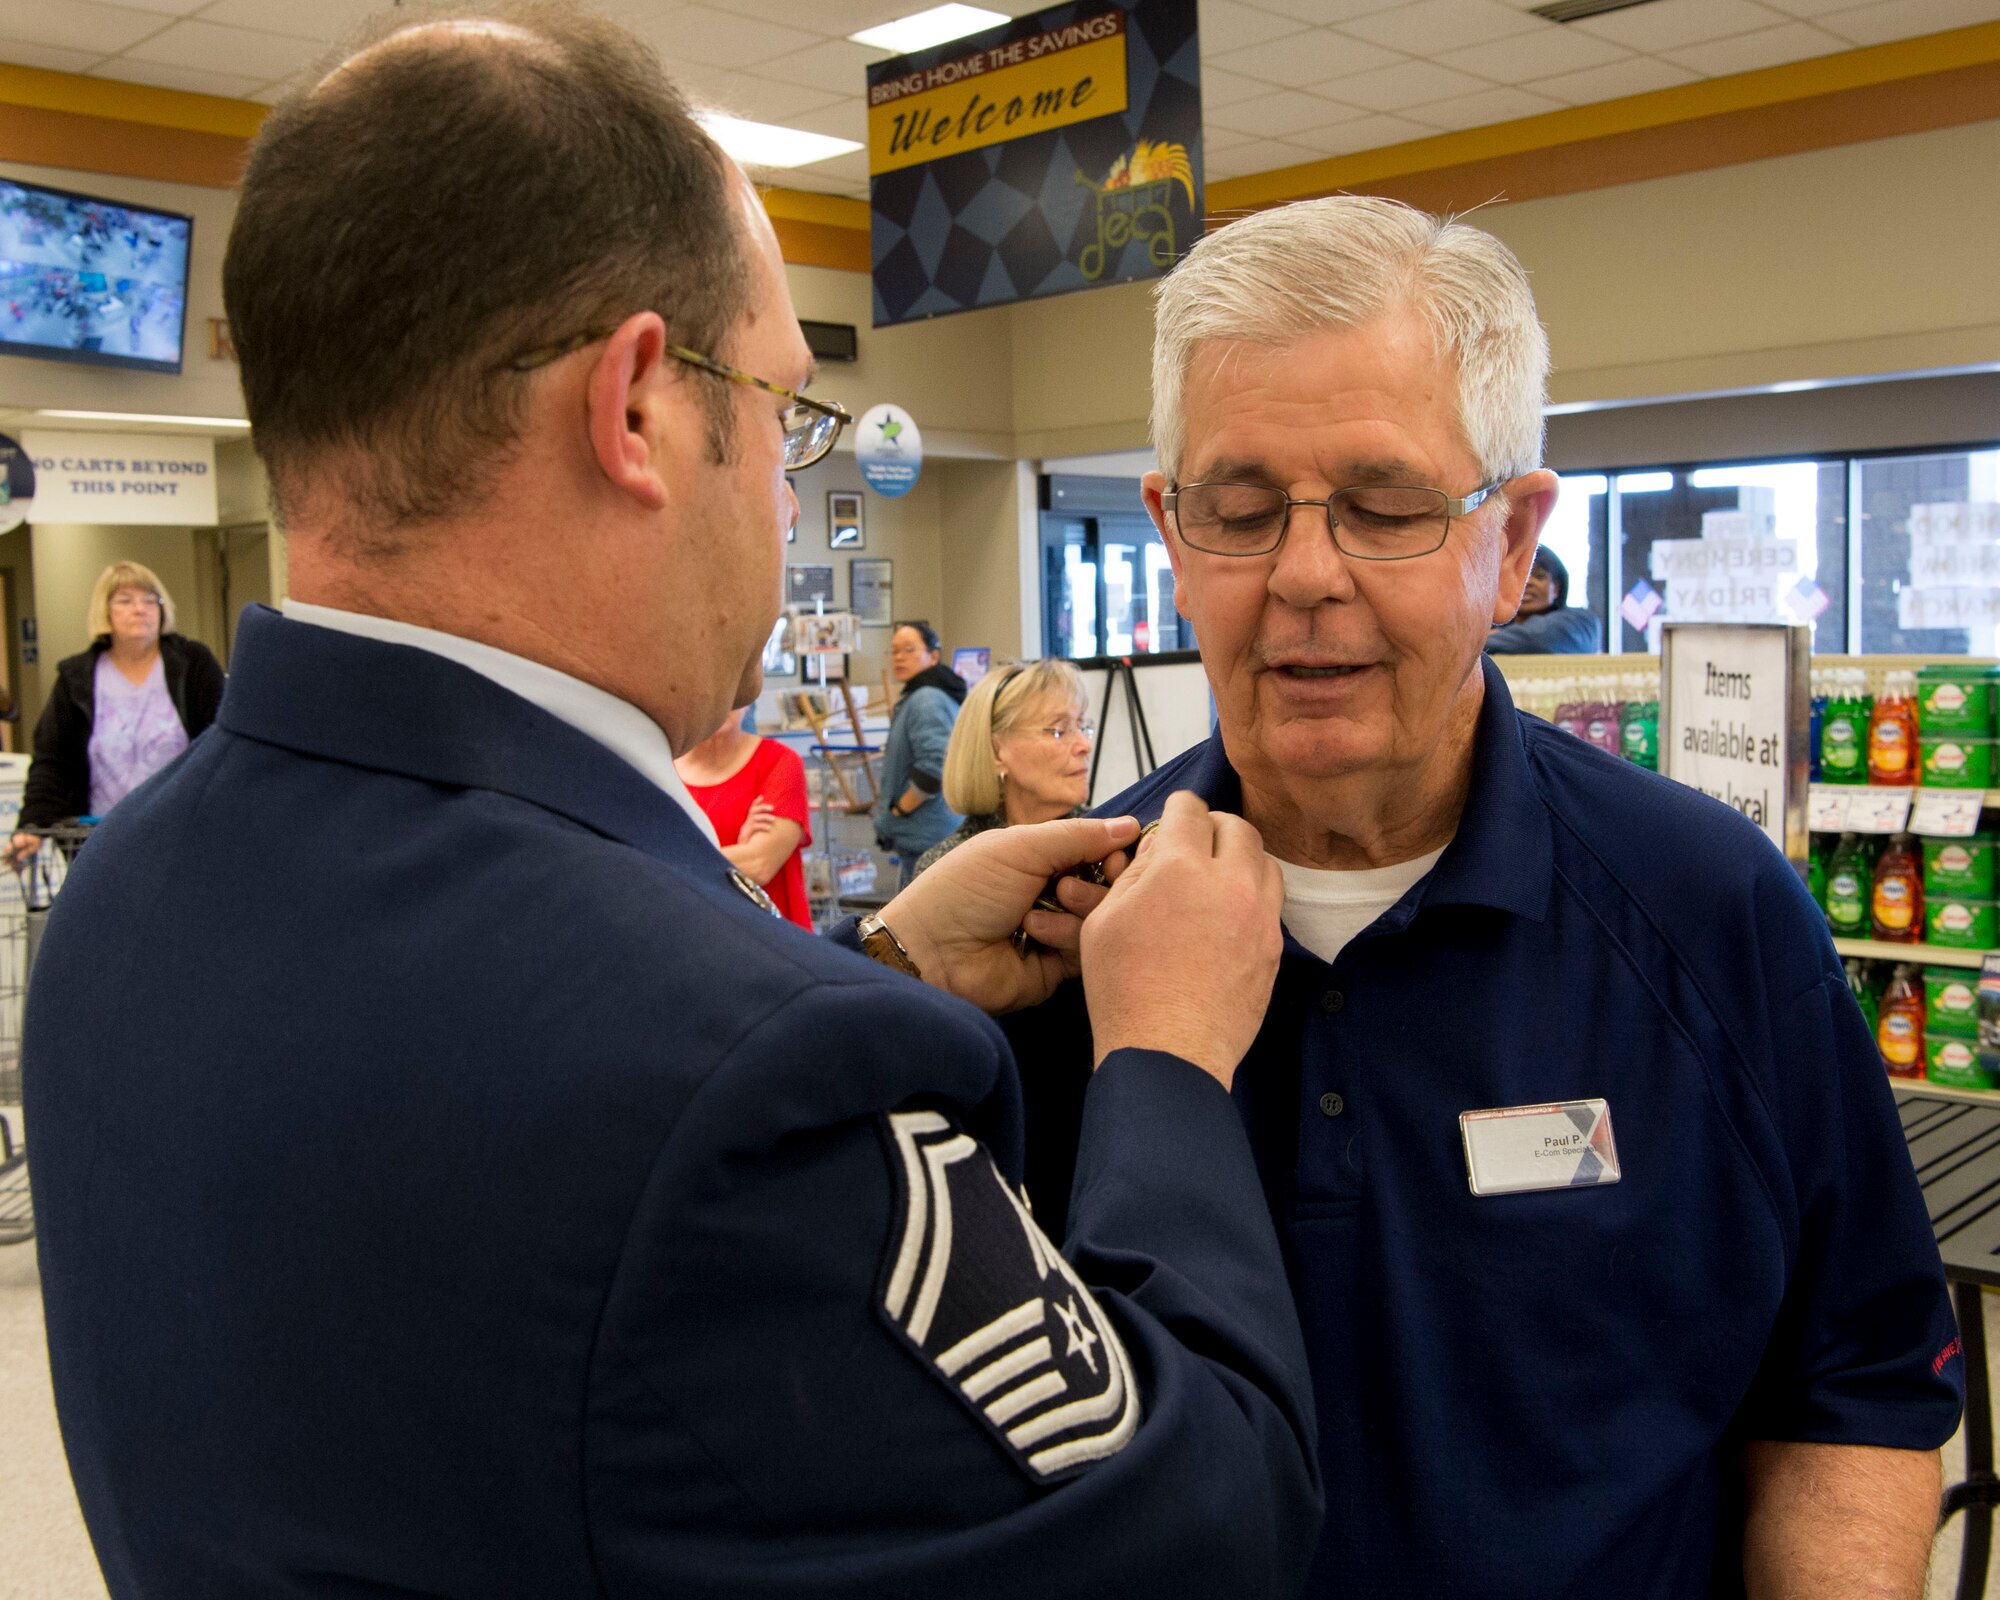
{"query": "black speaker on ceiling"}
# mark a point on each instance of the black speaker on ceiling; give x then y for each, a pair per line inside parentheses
(831, 341)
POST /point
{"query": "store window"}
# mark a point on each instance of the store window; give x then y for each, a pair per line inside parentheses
(1576, 532)
(1927, 591)
(1107, 585)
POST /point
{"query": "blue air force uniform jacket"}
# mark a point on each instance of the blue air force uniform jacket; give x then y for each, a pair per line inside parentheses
(452, 1185)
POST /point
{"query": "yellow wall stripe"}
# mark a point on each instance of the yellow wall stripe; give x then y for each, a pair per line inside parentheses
(129, 102)
(1743, 91)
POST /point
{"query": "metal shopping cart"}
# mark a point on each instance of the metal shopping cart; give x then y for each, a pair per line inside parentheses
(24, 910)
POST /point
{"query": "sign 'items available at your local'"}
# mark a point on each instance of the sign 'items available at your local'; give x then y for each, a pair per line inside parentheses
(1057, 152)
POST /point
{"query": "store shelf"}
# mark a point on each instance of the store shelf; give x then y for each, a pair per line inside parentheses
(1936, 955)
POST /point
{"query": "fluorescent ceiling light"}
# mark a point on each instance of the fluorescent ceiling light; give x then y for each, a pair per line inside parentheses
(923, 29)
(145, 416)
(761, 144)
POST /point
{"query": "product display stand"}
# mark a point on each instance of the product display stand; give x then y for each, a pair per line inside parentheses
(1955, 1145)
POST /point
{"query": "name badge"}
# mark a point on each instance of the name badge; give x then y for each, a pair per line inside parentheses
(1518, 1148)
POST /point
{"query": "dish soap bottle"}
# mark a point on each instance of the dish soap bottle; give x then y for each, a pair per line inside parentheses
(1843, 732)
(1849, 888)
(1892, 733)
(1897, 904)
(1899, 1032)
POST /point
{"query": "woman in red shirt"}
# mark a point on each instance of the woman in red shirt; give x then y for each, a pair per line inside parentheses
(754, 791)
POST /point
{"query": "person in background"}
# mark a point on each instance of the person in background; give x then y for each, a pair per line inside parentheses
(1546, 623)
(121, 710)
(910, 812)
(1020, 751)
(754, 791)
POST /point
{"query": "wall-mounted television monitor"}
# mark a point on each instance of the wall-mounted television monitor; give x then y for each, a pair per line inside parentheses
(92, 280)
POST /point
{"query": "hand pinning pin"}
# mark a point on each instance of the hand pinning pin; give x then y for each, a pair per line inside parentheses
(1049, 900)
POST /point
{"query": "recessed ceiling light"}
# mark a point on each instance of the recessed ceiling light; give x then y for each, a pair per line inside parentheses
(761, 144)
(145, 416)
(922, 29)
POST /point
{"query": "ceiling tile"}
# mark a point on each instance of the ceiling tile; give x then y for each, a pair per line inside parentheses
(759, 99)
(77, 25)
(1280, 112)
(1430, 26)
(213, 48)
(1809, 8)
(716, 39)
(194, 80)
(1768, 47)
(1672, 23)
(1414, 83)
(1220, 88)
(844, 119)
(1639, 75)
(48, 57)
(1265, 155)
(838, 18)
(1309, 59)
(1363, 133)
(835, 64)
(1908, 19)
(1227, 26)
(1541, 54)
(1216, 140)
(181, 8)
(325, 20)
(1486, 108)
(1328, 13)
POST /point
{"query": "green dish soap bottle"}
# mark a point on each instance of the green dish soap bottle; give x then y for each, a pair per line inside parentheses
(1850, 887)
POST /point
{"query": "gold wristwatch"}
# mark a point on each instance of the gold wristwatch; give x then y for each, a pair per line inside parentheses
(880, 943)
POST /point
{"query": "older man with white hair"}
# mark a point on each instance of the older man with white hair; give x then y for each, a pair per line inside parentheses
(1614, 1273)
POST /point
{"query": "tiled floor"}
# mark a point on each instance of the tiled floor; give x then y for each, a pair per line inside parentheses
(45, 1554)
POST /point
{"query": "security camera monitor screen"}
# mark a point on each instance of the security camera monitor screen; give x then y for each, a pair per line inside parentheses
(90, 280)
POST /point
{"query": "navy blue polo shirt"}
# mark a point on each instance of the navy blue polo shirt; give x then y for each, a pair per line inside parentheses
(1545, 1394)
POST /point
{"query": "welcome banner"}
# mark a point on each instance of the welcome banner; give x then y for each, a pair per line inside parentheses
(1057, 152)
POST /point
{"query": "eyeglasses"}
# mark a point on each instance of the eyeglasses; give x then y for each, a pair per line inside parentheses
(811, 426)
(1063, 732)
(1376, 522)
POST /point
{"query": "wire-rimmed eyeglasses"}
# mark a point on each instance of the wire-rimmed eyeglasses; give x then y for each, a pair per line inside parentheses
(811, 426)
(1370, 522)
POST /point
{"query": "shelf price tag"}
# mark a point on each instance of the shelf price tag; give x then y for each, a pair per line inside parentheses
(1878, 810)
(1826, 808)
(1946, 813)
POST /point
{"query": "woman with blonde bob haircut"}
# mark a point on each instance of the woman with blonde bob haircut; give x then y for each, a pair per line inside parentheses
(1019, 753)
(121, 710)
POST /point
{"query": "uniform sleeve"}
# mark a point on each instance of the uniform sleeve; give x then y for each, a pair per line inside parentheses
(784, 789)
(844, 1360)
(1864, 1350)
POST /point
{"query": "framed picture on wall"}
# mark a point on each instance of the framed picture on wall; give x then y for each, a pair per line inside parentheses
(808, 582)
(844, 529)
(871, 591)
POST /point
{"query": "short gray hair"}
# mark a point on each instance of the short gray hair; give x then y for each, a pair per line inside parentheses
(1276, 276)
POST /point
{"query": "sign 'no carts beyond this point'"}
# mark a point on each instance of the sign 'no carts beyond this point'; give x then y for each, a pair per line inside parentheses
(1057, 152)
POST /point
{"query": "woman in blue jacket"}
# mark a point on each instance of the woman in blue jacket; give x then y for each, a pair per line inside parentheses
(910, 814)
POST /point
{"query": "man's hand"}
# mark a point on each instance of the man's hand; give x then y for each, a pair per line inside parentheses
(1838, 1521)
(957, 919)
(21, 849)
(1182, 954)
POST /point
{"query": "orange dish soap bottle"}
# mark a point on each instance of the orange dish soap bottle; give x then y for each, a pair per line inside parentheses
(1896, 906)
(1899, 1027)
(1892, 733)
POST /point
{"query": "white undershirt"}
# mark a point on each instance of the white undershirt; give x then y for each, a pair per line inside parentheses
(1325, 910)
(618, 725)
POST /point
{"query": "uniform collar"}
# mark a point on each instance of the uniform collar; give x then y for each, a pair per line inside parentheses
(618, 725)
(339, 696)
(1503, 853)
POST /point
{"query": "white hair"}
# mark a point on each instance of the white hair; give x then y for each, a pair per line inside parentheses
(1276, 276)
